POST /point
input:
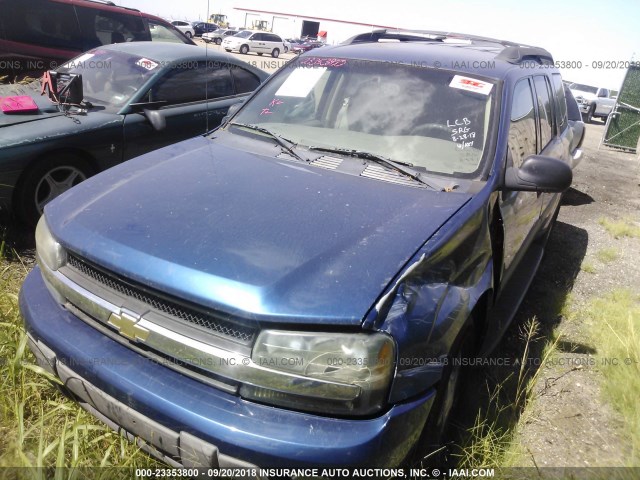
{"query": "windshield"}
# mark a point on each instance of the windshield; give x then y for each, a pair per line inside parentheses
(244, 34)
(584, 88)
(434, 120)
(110, 78)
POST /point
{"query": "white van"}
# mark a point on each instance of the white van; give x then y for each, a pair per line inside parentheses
(251, 41)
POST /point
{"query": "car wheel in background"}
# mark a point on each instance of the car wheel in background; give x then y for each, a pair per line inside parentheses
(45, 180)
(275, 53)
(244, 49)
(590, 113)
(188, 34)
(218, 41)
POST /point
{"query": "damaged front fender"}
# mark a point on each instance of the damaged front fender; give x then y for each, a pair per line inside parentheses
(432, 299)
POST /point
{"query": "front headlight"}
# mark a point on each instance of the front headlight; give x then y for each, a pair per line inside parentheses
(49, 252)
(363, 362)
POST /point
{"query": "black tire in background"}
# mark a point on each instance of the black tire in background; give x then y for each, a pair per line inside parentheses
(47, 178)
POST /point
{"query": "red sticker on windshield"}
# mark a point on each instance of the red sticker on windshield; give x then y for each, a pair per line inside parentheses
(471, 84)
(21, 103)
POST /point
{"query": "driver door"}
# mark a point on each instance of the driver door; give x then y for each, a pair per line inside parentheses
(520, 210)
(196, 99)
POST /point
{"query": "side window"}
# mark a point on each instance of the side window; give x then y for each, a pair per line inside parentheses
(544, 110)
(193, 85)
(43, 23)
(522, 132)
(102, 28)
(561, 102)
(162, 33)
(244, 80)
(256, 37)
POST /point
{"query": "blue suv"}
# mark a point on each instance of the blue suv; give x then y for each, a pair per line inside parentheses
(302, 286)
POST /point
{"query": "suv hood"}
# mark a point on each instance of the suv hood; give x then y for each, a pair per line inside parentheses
(262, 238)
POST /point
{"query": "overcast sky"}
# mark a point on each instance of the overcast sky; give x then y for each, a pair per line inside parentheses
(586, 31)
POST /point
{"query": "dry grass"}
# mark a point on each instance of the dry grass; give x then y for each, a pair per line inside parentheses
(620, 228)
(39, 427)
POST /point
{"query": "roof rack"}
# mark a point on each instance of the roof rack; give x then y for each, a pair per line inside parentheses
(511, 52)
(111, 4)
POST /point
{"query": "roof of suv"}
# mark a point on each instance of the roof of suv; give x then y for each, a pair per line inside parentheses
(479, 55)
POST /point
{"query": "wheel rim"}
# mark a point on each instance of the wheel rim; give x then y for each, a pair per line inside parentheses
(56, 182)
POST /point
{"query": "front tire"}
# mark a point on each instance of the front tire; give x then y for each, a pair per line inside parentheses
(188, 34)
(449, 392)
(275, 53)
(244, 49)
(48, 178)
(218, 41)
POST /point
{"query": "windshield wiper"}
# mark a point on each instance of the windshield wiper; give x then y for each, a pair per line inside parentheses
(285, 143)
(394, 164)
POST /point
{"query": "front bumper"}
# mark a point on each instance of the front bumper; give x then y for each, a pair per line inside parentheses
(584, 107)
(186, 422)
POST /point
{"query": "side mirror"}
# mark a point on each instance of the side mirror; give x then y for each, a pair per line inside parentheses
(156, 118)
(539, 174)
(233, 109)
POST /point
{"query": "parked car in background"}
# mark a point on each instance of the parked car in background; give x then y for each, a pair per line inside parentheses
(39, 35)
(305, 45)
(593, 101)
(304, 286)
(203, 27)
(254, 41)
(184, 27)
(219, 35)
(135, 97)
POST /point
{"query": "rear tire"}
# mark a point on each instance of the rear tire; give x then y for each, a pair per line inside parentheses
(47, 178)
(590, 113)
(218, 41)
(188, 35)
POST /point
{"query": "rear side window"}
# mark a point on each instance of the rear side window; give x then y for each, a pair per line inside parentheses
(193, 85)
(522, 132)
(561, 102)
(101, 27)
(162, 33)
(544, 110)
(244, 80)
(39, 22)
(272, 38)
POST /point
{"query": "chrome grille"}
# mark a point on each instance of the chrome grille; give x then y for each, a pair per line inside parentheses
(129, 289)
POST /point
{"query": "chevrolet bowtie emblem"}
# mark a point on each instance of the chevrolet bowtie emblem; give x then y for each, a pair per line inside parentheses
(127, 325)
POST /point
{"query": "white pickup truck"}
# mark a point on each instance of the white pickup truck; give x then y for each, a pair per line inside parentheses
(593, 101)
